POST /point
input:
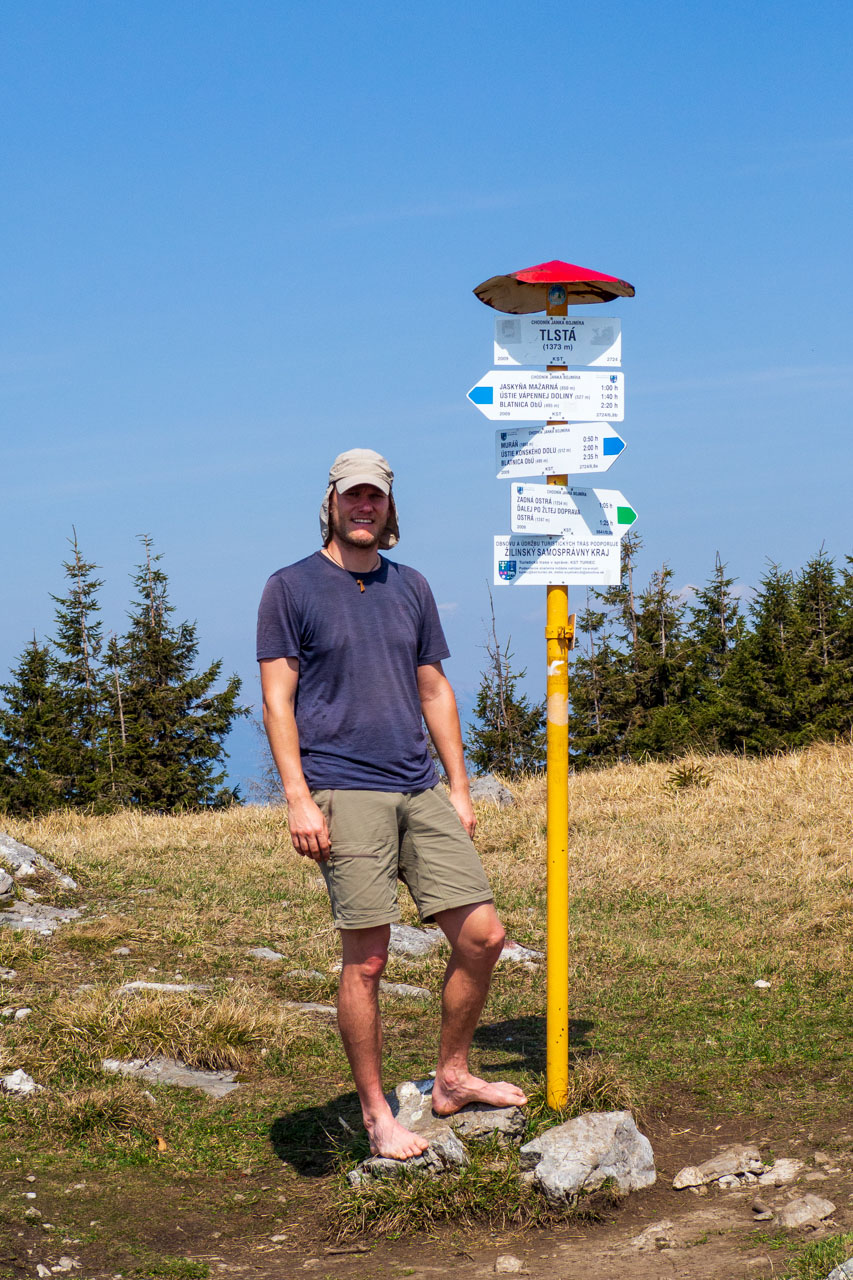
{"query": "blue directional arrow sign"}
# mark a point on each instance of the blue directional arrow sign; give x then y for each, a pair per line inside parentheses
(573, 449)
(588, 395)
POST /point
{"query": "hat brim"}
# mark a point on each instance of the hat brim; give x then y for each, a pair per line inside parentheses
(360, 477)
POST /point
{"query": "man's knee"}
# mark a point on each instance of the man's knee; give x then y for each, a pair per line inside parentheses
(370, 968)
(484, 943)
(365, 954)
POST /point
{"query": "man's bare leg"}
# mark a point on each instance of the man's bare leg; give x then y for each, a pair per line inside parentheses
(365, 952)
(476, 937)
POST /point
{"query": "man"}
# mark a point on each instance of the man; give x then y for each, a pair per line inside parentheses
(350, 648)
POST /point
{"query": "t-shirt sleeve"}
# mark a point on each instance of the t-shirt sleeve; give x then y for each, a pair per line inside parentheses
(279, 629)
(432, 645)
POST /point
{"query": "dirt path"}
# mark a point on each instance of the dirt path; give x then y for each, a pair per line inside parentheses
(710, 1237)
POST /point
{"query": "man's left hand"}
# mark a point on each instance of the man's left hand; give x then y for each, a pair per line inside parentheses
(461, 802)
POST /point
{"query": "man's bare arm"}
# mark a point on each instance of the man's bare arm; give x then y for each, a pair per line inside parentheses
(438, 705)
(308, 830)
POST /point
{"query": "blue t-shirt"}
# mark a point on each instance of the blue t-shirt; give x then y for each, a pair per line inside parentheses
(357, 706)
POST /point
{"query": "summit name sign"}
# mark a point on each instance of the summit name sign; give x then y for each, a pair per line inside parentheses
(584, 396)
(575, 340)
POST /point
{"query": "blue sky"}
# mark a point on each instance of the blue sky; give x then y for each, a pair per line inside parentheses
(239, 239)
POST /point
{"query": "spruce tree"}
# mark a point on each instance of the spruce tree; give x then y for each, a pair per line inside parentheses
(600, 689)
(32, 736)
(659, 726)
(825, 671)
(762, 687)
(510, 735)
(716, 627)
(77, 648)
(167, 726)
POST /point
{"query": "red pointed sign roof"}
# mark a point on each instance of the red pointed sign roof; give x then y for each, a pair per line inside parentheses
(525, 291)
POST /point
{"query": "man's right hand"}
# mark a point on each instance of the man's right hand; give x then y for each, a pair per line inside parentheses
(308, 830)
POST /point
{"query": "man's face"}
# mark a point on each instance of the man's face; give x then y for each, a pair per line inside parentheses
(359, 515)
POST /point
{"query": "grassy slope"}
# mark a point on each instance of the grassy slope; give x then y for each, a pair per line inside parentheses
(681, 899)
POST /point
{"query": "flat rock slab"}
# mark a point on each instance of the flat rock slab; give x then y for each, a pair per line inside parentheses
(403, 990)
(808, 1211)
(842, 1272)
(308, 1006)
(26, 862)
(37, 917)
(477, 1122)
(429, 1164)
(515, 953)
(737, 1159)
(159, 1070)
(585, 1152)
(408, 941)
(168, 988)
(781, 1172)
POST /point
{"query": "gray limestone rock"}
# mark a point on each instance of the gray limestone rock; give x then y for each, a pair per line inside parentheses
(403, 990)
(429, 1164)
(167, 988)
(8, 975)
(807, 1211)
(515, 953)
(312, 975)
(25, 861)
(308, 1006)
(411, 1103)
(488, 788)
(844, 1271)
(477, 1121)
(19, 1083)
(265, 953)
(660, 1235)
(781, 1172)
(408, 941)
(734, 1160)
(37, 917)
(583, 1153)
(7, 890)
(508, 1264)
(160, 1070)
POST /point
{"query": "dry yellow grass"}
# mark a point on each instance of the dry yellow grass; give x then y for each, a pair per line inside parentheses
(760, 858)
(771, 837)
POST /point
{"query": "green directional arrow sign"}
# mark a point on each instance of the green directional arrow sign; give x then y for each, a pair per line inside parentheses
(556, 509)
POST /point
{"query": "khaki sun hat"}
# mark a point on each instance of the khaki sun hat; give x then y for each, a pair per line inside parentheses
(361, 466)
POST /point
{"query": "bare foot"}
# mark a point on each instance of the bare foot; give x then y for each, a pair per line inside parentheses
(388, 1138)
(452, 1094)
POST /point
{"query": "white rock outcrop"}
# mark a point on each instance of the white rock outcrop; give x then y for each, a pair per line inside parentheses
(583, 1153)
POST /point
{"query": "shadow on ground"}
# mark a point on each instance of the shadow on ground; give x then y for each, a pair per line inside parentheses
(525, 1039)
(310, 1139)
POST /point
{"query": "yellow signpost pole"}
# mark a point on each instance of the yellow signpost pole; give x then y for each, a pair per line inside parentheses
(521, 293)
(557, 643)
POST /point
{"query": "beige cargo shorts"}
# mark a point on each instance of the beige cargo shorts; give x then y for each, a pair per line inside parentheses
(380, 837)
